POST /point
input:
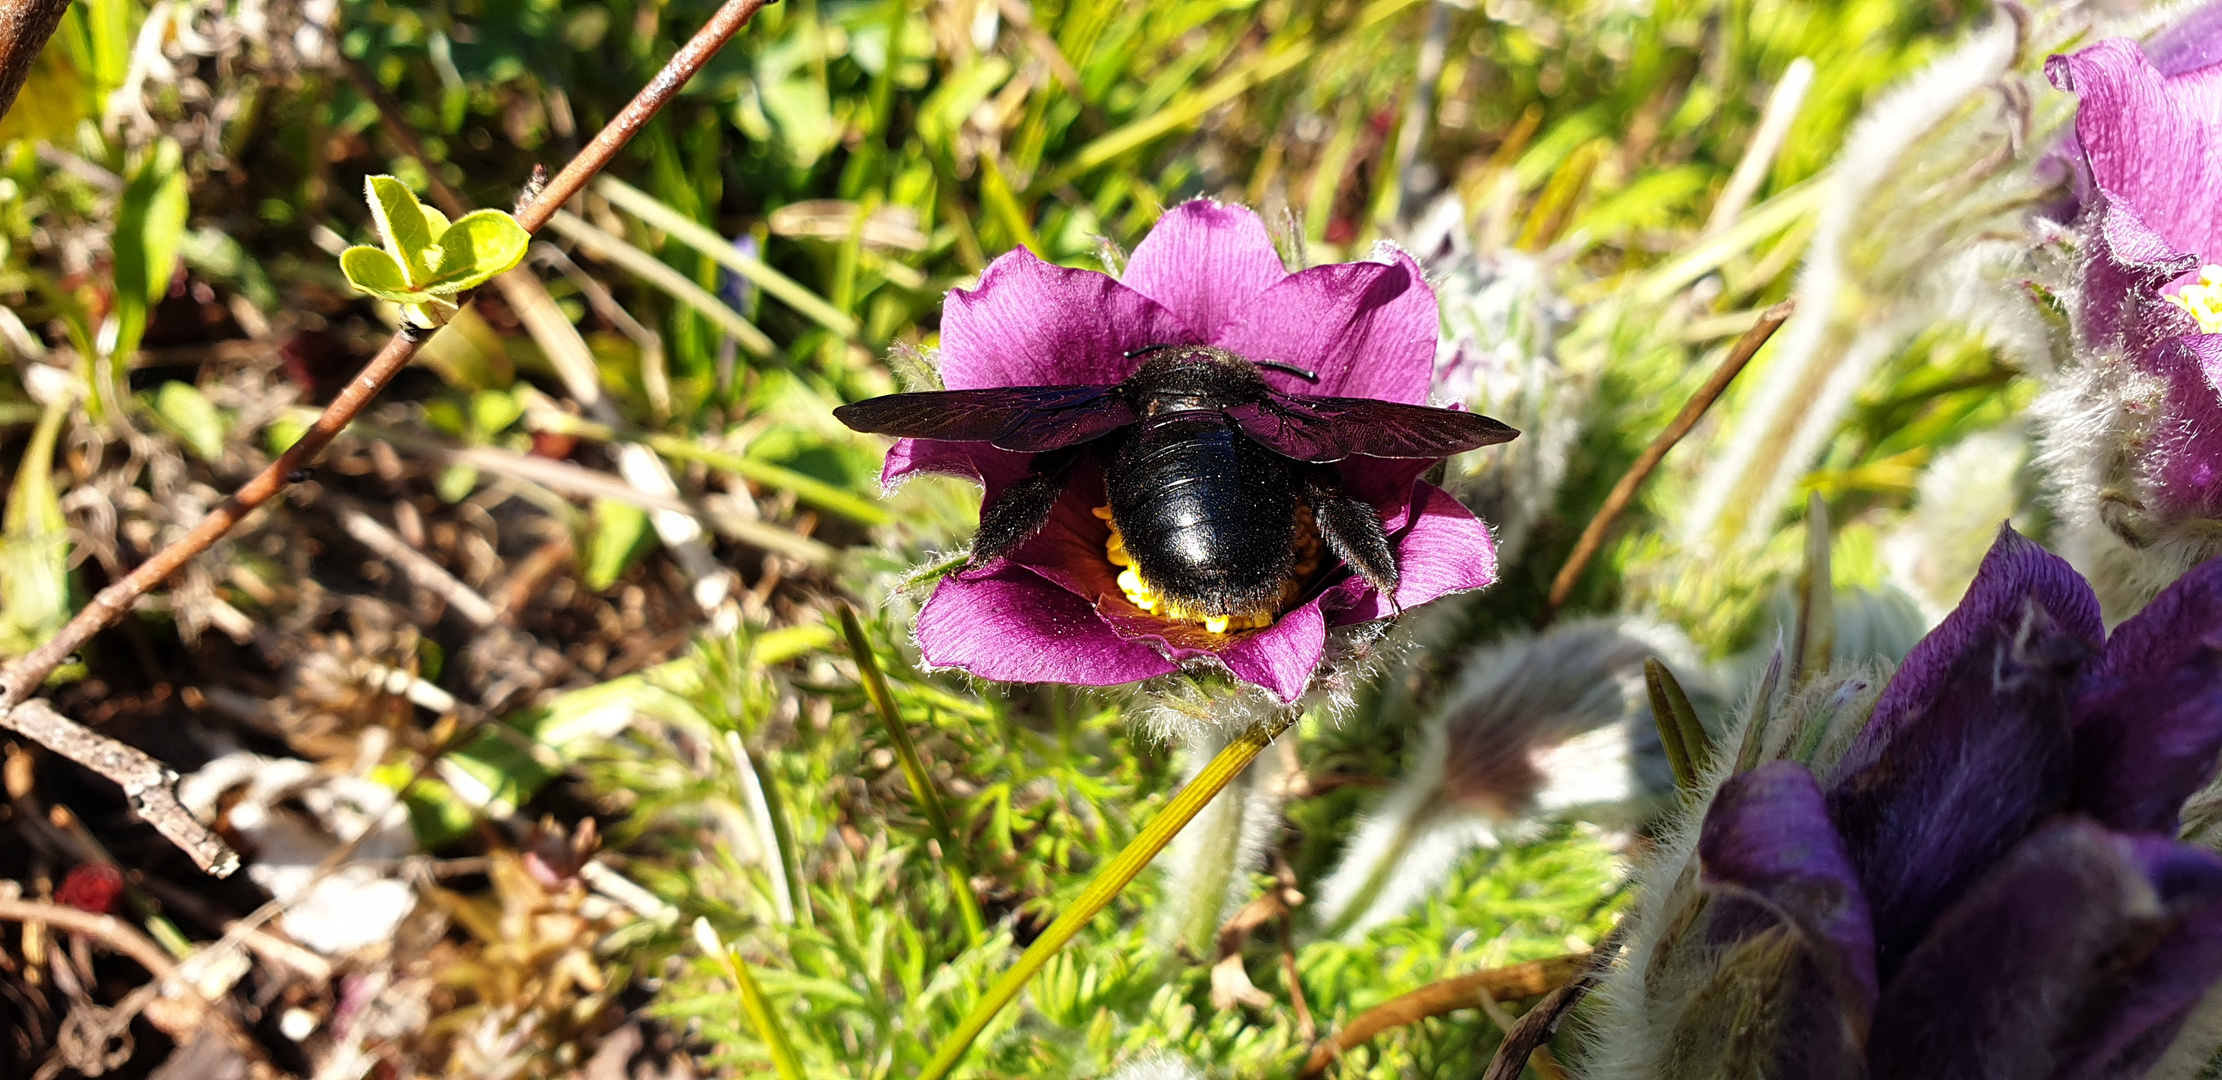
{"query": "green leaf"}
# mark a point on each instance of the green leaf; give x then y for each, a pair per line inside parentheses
(284, 430)
(192, 417)
(478, 246)
(34, 545)
(620, 531)
(150, 224)
(58, 92)
(375, 272)
(403, 224)
(492, 411)
(455, 483)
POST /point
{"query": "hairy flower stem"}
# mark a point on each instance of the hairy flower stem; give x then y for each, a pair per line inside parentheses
(914, 770)
(1108, 883)
(1208, 861)
(1400, 845)
(110, 604)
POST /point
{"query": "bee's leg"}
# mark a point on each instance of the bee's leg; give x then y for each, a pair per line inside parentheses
(1023, 508)
(1352, 531)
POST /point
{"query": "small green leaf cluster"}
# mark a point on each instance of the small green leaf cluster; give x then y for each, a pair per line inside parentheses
(428, 262)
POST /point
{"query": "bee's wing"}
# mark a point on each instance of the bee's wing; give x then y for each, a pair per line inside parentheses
(1022, 418)
(1327, 429)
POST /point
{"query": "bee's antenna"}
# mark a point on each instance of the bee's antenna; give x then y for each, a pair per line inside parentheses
(1292, 369)
(1147, 349)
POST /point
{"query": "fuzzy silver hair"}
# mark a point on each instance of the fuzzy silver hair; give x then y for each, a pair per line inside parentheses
(1859, 300)
(1159, 1066)
(1207, 866)
(1626, 1036)
(1539, 726)
(2094, 418)
(1498, 354)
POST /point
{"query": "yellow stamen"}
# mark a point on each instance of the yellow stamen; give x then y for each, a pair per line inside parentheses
(1145, 596)
(2203, 299)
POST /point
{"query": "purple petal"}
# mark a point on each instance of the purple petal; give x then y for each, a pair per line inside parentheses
(1070, 549)
(1366, 329)
(994, 469)
(1442, 548)
(1031, 323)
(2016, 573)
(1769, 971)
(1767, 840)
(2149, 712)
(1007, 624)
(2181, 466)
(2128, 266)
(1968, 747)
(1283, 656)
(2154, 142)
(2077, 956)
(2153, 998)
(1206, 262)
(2194, 42)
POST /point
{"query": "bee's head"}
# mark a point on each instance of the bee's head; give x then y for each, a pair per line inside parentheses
(1199, 377)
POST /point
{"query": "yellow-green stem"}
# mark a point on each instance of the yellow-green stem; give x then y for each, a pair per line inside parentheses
(1108, 883)
(759, 1010)
(914, 770)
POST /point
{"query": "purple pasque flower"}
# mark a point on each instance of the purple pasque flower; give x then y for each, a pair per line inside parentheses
(1054, 610)
(1986, 882)
(2149, 129)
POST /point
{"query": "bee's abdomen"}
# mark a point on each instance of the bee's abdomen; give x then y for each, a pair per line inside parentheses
(1208, 516)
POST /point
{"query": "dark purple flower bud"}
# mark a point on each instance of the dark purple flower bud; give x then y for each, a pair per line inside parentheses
(2148, 724)
(1994, 850)
(1968, 747)
(2078, 956)
(1770, 853)
(1762, 964)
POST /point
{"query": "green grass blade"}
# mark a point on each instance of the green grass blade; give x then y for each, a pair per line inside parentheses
(914, 770)
(694, 234)
(660, 274)
(754, 1003)
(1106, 886)
(1189, 109)
(1668, 704)
(808, 488)
(1815, 637)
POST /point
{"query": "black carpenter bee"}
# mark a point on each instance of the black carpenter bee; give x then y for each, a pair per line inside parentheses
(1216, 481)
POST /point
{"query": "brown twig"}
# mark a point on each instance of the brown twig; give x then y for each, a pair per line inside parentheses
(109, 930)
(25, 26)
(1461, 992)
(124, 938)
(111, 603)
(1537, 1025)
(147, 783)
(1593, 537)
